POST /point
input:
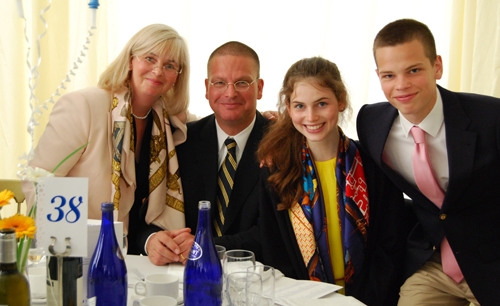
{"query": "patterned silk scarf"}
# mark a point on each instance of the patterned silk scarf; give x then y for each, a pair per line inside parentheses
(309, 214)
(166, 200)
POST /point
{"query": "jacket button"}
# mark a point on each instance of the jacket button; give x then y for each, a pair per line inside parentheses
(442, 216)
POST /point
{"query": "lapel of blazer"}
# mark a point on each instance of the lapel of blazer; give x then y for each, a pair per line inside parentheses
(379, 124)
(208, 159)
(247, 173)
(381, 130)
(460, 145)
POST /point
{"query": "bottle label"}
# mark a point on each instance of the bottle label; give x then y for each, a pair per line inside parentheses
(196, 252)
(92, 301)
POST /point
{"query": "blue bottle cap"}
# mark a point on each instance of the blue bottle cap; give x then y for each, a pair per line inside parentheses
(107, 206)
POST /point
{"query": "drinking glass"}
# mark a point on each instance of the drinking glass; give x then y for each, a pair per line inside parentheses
(255, 299)
(221, 251)
(238, 260)
(268, 279)
(243, 288)
(35, 253)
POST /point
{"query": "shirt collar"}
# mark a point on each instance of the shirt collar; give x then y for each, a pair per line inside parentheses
(431, 124)
(240, 138)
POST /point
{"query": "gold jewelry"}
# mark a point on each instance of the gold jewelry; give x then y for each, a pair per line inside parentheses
(182, 257)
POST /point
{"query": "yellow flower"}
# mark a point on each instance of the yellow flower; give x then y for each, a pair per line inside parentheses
(24, 226)
(5, 197)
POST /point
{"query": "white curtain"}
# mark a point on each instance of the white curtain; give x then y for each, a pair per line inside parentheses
(474, 59)
(282, 32)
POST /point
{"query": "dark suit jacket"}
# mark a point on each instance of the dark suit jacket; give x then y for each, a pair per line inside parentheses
(470, 213)
(379, 281)
(198, 164)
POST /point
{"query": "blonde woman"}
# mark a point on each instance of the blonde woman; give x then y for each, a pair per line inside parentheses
(131, 123)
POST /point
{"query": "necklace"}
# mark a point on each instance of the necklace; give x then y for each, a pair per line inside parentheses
(143, 117)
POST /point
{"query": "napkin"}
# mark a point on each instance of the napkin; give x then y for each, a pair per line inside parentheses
(291, 289)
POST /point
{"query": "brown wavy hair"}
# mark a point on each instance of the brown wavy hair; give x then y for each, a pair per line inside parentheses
(280, 149)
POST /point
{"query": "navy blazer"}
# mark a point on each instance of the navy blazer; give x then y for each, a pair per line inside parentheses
(470, 213)
(198, 164)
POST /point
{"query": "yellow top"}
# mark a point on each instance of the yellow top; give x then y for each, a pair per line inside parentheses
(326, 174)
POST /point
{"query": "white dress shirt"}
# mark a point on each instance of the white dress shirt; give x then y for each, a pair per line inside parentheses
(398, 150)
(241, 140)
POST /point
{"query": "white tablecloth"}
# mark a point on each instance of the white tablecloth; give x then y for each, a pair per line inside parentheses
(145, 267)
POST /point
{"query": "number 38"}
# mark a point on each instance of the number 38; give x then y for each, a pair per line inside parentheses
(72, 216)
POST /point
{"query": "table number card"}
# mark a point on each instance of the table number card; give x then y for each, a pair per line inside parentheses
(62, 212)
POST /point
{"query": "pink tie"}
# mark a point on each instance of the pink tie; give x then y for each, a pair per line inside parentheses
(426, 182)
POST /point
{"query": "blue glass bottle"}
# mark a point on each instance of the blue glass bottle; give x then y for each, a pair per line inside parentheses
(107, 277)
(203, 272)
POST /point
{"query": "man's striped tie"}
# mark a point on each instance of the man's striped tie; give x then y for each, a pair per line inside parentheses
(225, 183)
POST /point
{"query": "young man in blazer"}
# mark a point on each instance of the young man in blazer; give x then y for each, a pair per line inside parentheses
(462, 132)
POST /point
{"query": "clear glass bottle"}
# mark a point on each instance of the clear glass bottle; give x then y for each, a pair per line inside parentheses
(107, 277)
(203, 272)
(14, 287)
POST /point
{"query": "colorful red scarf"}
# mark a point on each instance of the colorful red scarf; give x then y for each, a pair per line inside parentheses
(352, 197)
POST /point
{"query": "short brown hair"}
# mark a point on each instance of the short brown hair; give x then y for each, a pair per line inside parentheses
(405, 30)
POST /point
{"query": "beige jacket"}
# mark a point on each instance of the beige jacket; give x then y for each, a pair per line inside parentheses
(81, 117)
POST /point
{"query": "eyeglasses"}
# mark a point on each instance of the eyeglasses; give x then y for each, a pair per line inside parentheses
(151, 62)
(238, 86)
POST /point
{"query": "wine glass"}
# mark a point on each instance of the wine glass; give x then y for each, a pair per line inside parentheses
(35, 253)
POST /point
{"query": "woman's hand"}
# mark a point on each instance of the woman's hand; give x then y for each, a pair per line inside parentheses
(271, 115)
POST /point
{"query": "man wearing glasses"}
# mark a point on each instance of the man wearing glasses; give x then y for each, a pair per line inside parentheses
(234, 131)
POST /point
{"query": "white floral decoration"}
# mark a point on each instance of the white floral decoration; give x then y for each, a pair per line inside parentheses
(36, 174)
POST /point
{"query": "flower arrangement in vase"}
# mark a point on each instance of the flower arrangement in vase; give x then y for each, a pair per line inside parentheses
(25, 225)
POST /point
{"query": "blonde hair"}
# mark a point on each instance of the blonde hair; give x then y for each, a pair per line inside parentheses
(158, 39)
